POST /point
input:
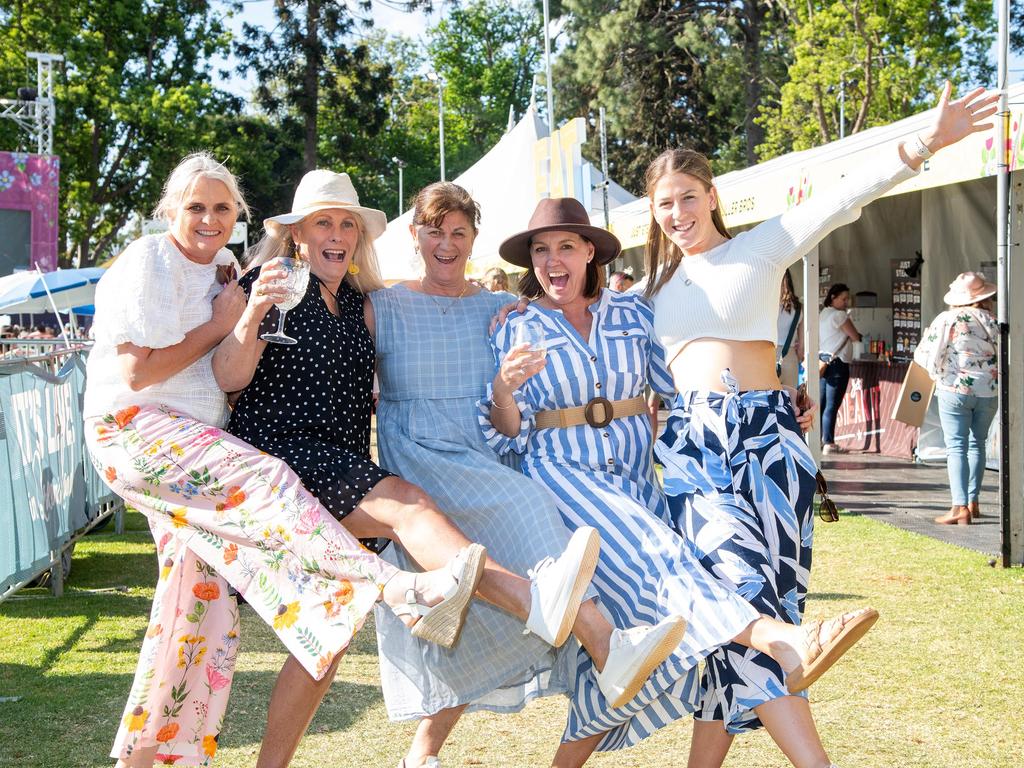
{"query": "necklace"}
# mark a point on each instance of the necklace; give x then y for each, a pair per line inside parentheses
(454, 300)
(337, 304)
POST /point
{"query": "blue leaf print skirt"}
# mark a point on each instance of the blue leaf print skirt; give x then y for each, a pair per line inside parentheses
(740, 483)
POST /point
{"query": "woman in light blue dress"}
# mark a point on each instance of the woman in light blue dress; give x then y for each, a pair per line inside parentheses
(577, 416)
(434, 361)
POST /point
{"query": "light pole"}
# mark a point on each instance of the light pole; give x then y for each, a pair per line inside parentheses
(434, 77)
(401, 164)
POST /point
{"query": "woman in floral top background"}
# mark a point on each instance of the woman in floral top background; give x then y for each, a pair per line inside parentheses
(959, 353)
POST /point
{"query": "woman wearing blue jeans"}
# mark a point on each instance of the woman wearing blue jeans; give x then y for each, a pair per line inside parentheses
(959, 352)
(836, 331)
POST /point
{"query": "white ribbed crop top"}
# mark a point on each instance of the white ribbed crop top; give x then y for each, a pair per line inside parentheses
(731, 292)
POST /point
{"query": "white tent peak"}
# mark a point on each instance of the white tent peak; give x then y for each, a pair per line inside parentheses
(504, 183)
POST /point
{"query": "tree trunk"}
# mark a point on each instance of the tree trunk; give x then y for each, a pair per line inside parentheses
(311, 83)
(754, 14)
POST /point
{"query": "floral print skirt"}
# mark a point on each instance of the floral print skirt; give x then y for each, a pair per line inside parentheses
(223, 513)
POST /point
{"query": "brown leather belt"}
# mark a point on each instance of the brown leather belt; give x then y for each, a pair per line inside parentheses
(598, 413)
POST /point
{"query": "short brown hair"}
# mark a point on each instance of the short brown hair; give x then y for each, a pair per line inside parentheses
(661, 254)
(530, 287)
(437, 200)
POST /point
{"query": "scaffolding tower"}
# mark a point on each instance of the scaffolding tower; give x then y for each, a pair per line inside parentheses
(36, 116)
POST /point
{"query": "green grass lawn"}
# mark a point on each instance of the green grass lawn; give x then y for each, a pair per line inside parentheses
(936, 684)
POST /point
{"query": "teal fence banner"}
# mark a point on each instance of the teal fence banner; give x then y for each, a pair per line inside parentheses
(49, 490)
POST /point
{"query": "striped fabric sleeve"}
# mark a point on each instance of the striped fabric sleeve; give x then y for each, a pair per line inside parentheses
(659, 377)
(501, 443)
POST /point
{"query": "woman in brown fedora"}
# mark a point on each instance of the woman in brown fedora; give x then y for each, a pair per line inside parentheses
(959, 352)
(308, 403)
(569, 399)
(736, 468)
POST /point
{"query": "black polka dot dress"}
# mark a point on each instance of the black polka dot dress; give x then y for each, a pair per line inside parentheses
(309, 403)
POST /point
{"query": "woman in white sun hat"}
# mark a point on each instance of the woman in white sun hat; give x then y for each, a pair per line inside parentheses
(959, 352)
(308, 403)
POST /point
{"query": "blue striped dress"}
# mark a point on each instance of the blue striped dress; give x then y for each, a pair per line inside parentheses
(433, 369)
(604, 477)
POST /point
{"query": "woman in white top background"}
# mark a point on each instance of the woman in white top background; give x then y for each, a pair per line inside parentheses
(790, 339)
(959, 352)
(836, 336)
(738, 476)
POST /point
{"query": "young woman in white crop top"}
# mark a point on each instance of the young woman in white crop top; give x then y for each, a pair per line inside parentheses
(739, 478)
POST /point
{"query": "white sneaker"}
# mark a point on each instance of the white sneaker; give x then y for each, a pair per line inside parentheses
(432, 762)
(633, 654)
(557, 587)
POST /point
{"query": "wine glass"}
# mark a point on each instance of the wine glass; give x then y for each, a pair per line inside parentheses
(533, 335)
(295, 283)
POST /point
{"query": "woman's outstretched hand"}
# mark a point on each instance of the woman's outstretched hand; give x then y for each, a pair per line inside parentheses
(959, 118)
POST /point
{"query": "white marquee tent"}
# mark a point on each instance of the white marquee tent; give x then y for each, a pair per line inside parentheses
(504, 182)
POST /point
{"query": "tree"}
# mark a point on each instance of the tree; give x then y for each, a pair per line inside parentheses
(306, 60)
(630, 57)
(133, 96)
(885, 58)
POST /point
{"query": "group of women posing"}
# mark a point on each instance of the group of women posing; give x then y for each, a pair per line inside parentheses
(628, 583)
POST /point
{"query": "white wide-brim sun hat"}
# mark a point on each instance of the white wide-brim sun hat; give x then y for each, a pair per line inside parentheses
(968, 288)
(320, 190)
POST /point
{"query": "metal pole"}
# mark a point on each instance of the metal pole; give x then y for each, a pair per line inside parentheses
(440, 119)
(842, 107)
(1002, 281)
(547, 67)
(604, 169)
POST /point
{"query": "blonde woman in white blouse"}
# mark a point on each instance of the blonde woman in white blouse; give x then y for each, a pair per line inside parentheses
(220, 511)
(959, 352)
(739, 479)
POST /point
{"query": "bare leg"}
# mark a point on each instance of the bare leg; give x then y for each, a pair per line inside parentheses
(789, 722)
(293, 702)
(141, 758)
(594, 632)
(403, 512)
(431, 735)
(709, 745)
(573, 754)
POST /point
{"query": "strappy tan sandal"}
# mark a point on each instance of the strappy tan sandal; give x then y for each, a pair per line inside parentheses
(442, 623)
(823, 653)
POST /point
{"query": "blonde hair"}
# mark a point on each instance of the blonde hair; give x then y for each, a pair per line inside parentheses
(183, 180)
(660, 253)
(272, 246)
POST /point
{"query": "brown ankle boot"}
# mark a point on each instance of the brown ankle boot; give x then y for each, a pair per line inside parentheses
(975, 510)
(957, 515)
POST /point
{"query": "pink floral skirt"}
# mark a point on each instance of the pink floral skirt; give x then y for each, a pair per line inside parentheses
(223, 513)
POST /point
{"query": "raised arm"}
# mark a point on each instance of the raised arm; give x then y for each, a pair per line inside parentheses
(786, 238)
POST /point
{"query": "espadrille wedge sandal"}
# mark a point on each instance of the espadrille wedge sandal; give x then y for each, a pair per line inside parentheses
(442, 623)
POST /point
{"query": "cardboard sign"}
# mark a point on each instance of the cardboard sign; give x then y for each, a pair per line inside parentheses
(915, 394)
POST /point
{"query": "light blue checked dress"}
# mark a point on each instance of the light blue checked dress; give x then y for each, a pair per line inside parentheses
(604, 477)
(433, 368)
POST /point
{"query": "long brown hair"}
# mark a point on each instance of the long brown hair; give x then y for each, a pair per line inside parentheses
(787, 294)
(661, 255)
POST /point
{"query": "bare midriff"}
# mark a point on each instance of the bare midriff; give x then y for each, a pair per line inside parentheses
(700, 363)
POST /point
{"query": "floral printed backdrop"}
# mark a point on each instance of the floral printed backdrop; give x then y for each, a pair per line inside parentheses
(30, 183)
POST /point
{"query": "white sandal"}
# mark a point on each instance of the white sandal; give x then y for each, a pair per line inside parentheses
(442, 623)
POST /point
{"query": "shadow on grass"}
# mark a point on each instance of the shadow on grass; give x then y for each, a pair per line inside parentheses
(833, 596)
(70, 720)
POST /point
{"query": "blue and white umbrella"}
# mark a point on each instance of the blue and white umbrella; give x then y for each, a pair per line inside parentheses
(34, 292)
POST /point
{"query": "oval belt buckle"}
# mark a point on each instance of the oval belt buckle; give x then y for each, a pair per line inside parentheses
(588, 412)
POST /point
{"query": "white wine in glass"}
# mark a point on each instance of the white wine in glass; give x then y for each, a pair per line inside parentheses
(533, 335)
(296, 284)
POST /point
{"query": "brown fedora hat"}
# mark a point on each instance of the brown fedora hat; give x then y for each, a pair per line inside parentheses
(560, 214)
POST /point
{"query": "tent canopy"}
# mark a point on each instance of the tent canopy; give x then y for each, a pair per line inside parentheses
(26, 292)
(504, 182)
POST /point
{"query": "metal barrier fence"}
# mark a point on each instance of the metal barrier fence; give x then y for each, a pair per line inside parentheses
(50, 495)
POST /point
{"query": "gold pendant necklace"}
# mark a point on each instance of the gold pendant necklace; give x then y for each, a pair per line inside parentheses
(455, 300)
